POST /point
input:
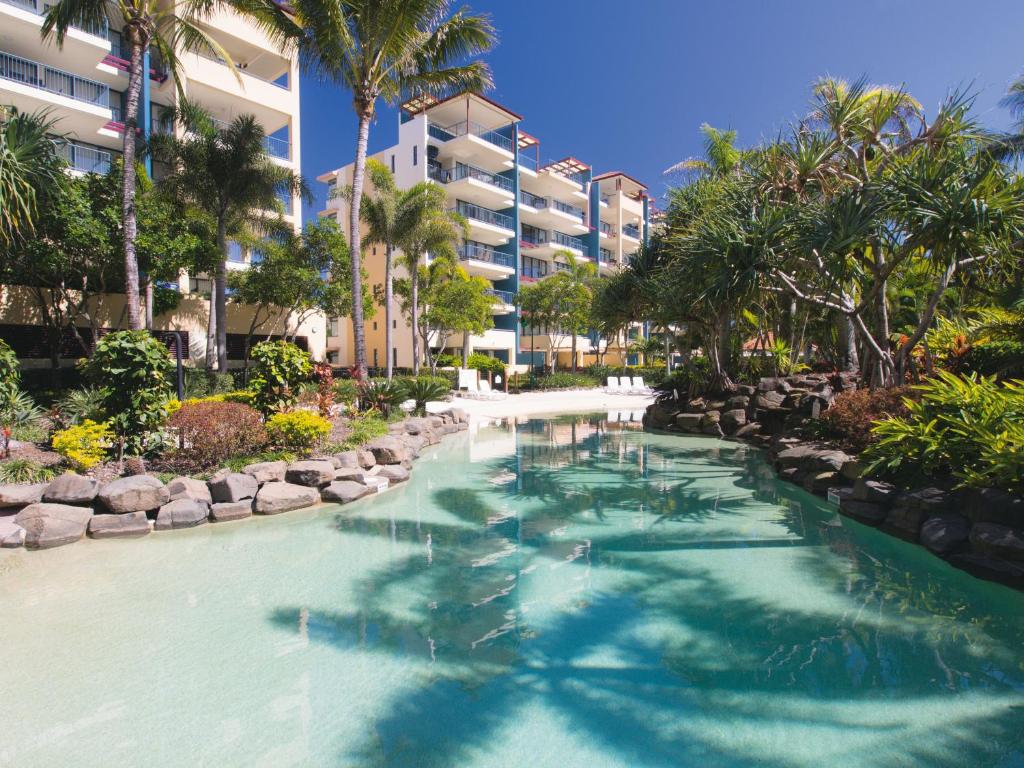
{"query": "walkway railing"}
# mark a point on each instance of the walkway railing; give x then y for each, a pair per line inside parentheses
(486, 215)
(568, 241)
(607, 228)
(604, 255)
(53, 80)
(479, 252)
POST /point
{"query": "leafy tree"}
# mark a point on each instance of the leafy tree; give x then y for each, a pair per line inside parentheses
(386, 49)
(30, 170)
(454, 303)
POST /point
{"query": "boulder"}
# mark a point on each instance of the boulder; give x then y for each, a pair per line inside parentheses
(415, 444)
(52, 525)
(189, 488)
(12, 535)
(792, 475)
(394, 473)
(72, 488)
(231, 510)
(267, 471)
(737, 401)
(140, 493)
(874, 491)
(746, 390)
(275, 498)
(998, 540)
(770, 400)
(863, 511)
(905, 522)
(19, 495)
(347, 459)
(820, 482)
(388, 450)
(355, 474)
(992, 568)
(851, 469)
(315, 473)
(945, 534)
(232, 486)
(181, 513)
(689, 422)
(344, 491)
(128, 525)
(366, 458)
(748, 430)
(929, 500)
(768, 384)
(733, 420)
(991, 505)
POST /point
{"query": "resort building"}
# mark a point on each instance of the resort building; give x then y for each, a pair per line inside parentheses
(84, 84)
(523, 213)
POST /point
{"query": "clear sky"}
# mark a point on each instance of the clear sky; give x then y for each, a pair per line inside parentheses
(625, 84)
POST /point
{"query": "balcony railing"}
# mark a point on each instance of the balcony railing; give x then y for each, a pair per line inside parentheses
(465, 171)
(604, 256)
(478, 252)
(572, 210)
(532, 200)
(505, 297)
(85, 159)
(486, 215)
(608, 229)
(632, 230)
(449, 132)
(280, 148)
(568, 241)
(98, 30)
(53, 80)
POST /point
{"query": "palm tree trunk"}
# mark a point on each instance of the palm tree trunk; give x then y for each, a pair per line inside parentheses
(131, 264)
(149, 303)
(211, 334)
(573, 366)
(848, 335)
(220, 298)
(415, 286)
(355, 240)
(465, 349)
(388, 290)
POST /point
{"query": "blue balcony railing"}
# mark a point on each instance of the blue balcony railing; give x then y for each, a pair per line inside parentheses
(480, 252)
(604, 256)
(439, 133)
(485, 215)
(505, 297)
(276, 147)
(53, 80)
(568, 241)
(85, 159)
(449, 132)
(631, 230)
(532, 200)
(608, 229)
(466, 171)
(572, 210)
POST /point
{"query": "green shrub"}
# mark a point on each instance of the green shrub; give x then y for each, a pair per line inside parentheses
(279, 367)
(562, 380)
(25, 471)
(850, 418)
(346, 391)
(1004, 359)
(238, 463)
(209, 432)
(20, 419)
(297, 430)
(485, 363)
(652, 375)
(424, 388)
(77, 405)
(200, 382)
(381, 395)
(133, 370)
(691, 379)
(969, 428)
(10, 374)
(84, 445)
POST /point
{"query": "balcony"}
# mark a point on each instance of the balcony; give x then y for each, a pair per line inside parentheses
(40, 9)
(277, 147)
(489, 226)
(471, 251)
(532, 200)
(85, 159)
(475, 185)
(506, 300)
(631, 230)
(548, 242)
(607, 229)
(53, 81)
(472, 141)
(605, 256)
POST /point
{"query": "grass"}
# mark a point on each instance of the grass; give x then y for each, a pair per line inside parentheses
(237, 463)
(364, 428)
(25, 471)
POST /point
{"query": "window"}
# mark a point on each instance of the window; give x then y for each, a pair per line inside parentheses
(394, 357)
(235, 252)
(394, 323)
(415, 154)
(392, 163)
(376, 364)
(375, 328)
(332, 358)
(535, 268)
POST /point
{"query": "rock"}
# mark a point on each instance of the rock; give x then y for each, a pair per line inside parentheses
(12, 535)
(820, 482)
(748, 430)
(140, 493)
(128, 525)
(232, 486)
(19, 495)
(181, 513)
(738, 401)
(929, 500)
(999, 540)
(905, 522)
(689, 422)
(863, 511)
(275, 498)
(231, 510)
(394, 473)
(189, 488)
(52, 525)
(992, 568)
(347, 459)
(366, 458)
(711, 417)
(314, 473)
(874, 491)
(851, 469)
(72, 488)
(267, 471)
(355, 474)
(696, 406)
(792, 475)
(990, 505)
(945, 534)
(415, 443)
(344, 491)
(460, 416)
(733, 420)
(388, 450)
(830, 461)
(770, 400)
(768, 384)
(746, 390)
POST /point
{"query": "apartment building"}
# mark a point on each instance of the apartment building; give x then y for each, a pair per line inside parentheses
(84, 84)
(523, 213)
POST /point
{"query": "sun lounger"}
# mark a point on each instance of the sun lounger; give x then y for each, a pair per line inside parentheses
(489, 394)
(613, 387)
(638, 387)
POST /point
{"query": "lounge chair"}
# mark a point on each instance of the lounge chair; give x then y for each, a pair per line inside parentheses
(625, 385)
(489, 394)
(639, 388)
(613, 387)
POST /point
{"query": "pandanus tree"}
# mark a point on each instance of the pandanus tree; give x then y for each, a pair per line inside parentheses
(225, 171)
(170, 28)
(384, 50)
(30, 170)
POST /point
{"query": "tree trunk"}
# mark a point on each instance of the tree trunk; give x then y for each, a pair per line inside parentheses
(414, 283)
(848, 338)
(668, 352)
(220, 288)
(211, 333)
(465, 349)
(573, 366)
(365, 112)
(149, 303)
(128, 222)
(387, 311)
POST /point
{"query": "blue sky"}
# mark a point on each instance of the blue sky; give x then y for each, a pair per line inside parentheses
(625, 84)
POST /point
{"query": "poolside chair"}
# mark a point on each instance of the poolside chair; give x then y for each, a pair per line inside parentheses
(613, 387)
(639, 388)
(625, 385)
(489, 394)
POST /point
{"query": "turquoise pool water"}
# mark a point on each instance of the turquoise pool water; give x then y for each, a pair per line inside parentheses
(562, 593)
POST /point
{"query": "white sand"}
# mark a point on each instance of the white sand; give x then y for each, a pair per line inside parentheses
(537, 403)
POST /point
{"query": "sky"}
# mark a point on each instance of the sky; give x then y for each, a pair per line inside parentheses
(625, 84)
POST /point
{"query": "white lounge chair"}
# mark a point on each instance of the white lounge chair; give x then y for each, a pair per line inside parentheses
(489, 394)
(639, 388)
(626, 386)
(613, 387)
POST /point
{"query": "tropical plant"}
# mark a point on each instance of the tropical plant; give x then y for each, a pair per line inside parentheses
(133, 371)
(20, 419)
(422, 390)
(452, 301)
(785, 360)
(84, 445)
(482, 362)
(850, 419)
(208, 433)
(25, 471)
(279, 369)
(297, 430)
(362, 428)
(567, 380)
(386, 49)
(30, 170)
(78, 405)
(226, 171)
(381, 395)
(10, 374)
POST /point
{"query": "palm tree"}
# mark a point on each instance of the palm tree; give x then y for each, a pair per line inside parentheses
(30, 169)
(170, 28)
(226, 172)
(579, 280)
(386, 49)
(721, 157)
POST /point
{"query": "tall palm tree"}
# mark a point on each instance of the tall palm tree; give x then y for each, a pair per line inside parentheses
(721, 156)
(30, 168)
(579, 279)
(225, 171)
(169, 28)
(386, 49)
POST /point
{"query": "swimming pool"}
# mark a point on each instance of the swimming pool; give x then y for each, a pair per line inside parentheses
(561, 592)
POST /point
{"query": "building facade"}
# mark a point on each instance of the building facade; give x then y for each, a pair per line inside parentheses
(83, 85)
(523, 213)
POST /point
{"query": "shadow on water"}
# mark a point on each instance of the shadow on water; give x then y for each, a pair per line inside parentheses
(672, 656)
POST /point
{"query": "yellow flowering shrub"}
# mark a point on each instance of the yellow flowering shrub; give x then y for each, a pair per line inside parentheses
(297, 429)
(84, 445)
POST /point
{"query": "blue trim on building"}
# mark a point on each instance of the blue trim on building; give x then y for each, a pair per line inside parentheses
(147, 116)
(593, 237)
(510, 322)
